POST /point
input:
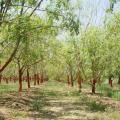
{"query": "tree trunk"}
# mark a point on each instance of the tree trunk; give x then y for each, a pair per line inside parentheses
(79, 80)
(110, 81)
(10, 57)
(28, 80)
(38, 80)
(42, 78)
(68, 80)
(71, 80)
(35, 80)
(20, 82)
(93, 86)
(119, 80)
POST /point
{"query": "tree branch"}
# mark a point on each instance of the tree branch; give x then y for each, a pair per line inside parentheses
(36, 7)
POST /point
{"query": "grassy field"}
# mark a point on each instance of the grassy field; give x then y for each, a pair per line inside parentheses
(55, 101)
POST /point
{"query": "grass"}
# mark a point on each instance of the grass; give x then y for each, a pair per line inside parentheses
(95, 107)
(11, 87)
(18, 113)
(106, 90)
(7, 88)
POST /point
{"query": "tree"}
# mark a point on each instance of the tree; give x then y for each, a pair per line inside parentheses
(93, 56)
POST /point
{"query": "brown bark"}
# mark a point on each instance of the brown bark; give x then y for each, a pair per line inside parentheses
(110, 82)
(42, 78)
(11, 56)
(38, 80)
(71, 80)
(35, 79)
(20, 82)
(68, 80)
(79, 80)
(28, 78)
(28, 81)
(93, 86)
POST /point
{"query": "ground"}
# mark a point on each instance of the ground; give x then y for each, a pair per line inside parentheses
(57, 101)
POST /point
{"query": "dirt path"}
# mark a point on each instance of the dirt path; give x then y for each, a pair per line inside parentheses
(49, 102)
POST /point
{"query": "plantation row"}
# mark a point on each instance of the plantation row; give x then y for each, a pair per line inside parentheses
(37, 78)
(57, 44)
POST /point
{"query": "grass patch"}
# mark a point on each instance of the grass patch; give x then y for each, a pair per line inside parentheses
(106, 90)
(18, 114)
(37, 104)
(95, 107)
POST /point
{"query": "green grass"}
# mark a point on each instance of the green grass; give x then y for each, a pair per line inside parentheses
(11, 87)
(6, 88)
(95, 107)
(107, 91)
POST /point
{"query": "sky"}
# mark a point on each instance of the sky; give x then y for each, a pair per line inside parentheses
(91, 11)
(95, 11)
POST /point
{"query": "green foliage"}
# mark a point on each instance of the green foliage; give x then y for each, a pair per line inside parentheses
(95, 107)
(37, 104)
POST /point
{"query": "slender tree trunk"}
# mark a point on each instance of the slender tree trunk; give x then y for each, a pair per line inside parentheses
(35, 80)
(79, 80)
(71, 80)
(42, 78)
(38, 79)
(110, 81)
(20, 82)
(68, 80)
(119, 80)
(28, 80)
(93, 86)
(10, 57)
